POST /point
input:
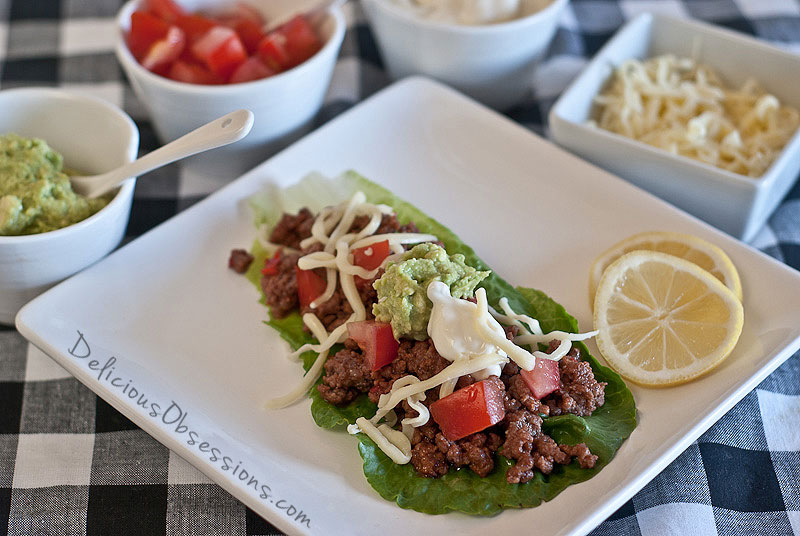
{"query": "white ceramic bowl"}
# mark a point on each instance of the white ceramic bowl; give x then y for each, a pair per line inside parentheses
(493, 63)
(736, 204)
(283, 105)
(93, 136)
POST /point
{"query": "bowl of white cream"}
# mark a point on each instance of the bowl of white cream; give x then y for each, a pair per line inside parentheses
(487, 49)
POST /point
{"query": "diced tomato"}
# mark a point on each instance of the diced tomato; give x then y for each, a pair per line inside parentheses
(272, 49)
(370, 257)
(194, 26)
(250, 33)
(271, 264)
(192, 73)
(145, 30)
(469, 410)
(301, 40)
(376, 340)
(229, 46)
(543, 378)
(221, 50)
(164, 9)
(309, 286)
(252, 69)
(165, 51)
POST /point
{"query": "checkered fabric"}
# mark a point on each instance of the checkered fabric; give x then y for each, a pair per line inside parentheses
(71, 464)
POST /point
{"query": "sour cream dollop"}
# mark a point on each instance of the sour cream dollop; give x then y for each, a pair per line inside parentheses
(452, 329)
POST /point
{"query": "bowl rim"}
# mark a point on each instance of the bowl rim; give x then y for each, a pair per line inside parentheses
(760, 182)
(125, 57)
(389, 8)
(123, 192)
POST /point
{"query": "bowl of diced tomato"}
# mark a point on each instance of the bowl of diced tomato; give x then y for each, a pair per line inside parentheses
(190, 61)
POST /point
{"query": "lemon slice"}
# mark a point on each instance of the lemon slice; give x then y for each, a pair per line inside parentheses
(663, 320)
(693, 249)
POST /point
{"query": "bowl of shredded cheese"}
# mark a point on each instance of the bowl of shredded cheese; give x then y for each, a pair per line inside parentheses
(703, 117)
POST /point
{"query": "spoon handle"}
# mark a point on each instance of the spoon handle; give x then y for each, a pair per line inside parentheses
(227, 129)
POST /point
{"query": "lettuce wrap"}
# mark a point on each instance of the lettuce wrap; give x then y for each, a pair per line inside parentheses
(461, 489)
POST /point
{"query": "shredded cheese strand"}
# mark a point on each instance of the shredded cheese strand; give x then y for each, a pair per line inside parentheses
(531, 338)
(516, 319)
(520, 356)
(447, 388)
(396, 238)
(392, 442)
(337, 335)
(313, 374)
(330, 288)
(300, 390)
(322, 226)
(346, 221)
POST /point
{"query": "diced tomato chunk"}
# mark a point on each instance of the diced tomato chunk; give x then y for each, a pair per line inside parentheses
(301, 40)
(192, 73)
(145, 30)
(376, 340)
(252, 69)
(194, 26)
(469, 410)
(250, 33)
(272, 49)
(310, 286)
(221, 50)
(271, 264)
(543, 378)
(164, 9)
(165, 51)
(370, 257)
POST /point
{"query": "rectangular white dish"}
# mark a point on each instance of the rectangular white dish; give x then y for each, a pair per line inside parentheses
(165, 316)
(736, 204)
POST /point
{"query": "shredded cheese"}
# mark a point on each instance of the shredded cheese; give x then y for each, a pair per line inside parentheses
(392, 442)
(519, 355)
(683, 107)
(565, 342)
(313, 374)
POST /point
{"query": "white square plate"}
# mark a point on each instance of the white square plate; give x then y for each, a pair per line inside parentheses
(163, 321)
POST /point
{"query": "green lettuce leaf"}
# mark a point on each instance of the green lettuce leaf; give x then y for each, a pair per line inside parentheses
(459, 490)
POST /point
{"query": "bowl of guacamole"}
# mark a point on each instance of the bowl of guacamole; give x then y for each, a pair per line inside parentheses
(35, 192)
(47, 232)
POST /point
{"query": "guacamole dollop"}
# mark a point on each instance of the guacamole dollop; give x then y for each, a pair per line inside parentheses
(35, 193)
(402, 289)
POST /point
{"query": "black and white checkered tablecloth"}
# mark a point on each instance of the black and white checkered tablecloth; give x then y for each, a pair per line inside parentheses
(71, 464)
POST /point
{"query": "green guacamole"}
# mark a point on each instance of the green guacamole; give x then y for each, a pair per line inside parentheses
(35, 193)
(402, 290)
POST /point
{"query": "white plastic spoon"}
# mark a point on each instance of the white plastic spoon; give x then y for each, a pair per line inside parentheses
(227, 129)
(284, 13)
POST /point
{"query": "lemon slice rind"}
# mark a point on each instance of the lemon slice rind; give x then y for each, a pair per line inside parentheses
(620, 352)
(692, 248)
